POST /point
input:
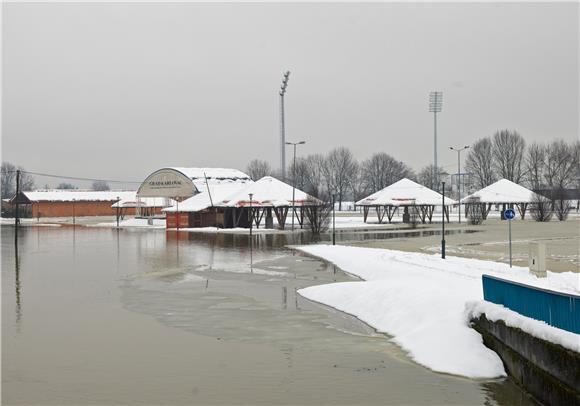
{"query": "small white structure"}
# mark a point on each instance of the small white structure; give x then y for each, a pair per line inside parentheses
(504, 192)
(405, 193)
(537, 259)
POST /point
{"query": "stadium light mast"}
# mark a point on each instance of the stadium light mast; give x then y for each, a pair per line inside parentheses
(458, 150)
(435, 106)
(282, 125)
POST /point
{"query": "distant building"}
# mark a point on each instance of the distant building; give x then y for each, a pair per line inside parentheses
(70, 202)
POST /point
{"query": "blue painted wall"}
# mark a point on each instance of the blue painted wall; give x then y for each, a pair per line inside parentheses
(557, 309)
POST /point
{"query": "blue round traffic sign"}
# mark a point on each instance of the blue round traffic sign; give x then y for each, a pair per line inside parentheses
(509, 214)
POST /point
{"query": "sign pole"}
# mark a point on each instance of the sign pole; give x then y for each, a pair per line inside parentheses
(510, 237)
(509, 214)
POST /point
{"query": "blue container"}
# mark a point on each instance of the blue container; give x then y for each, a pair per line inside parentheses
(561, 310)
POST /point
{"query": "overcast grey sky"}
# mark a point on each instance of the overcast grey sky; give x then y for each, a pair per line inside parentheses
(119, 90)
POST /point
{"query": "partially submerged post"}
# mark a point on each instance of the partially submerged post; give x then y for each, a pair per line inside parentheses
(333, 222)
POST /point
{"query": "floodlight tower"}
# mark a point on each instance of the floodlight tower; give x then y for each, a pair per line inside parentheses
(435, 106)
(282, 126)
(294, 178)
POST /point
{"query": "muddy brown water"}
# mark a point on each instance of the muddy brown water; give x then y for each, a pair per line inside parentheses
(100, 316)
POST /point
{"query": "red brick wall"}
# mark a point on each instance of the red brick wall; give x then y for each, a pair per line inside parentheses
(65, 209)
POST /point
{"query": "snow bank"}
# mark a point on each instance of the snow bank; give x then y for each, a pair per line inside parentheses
(419, 299)
(536, 328)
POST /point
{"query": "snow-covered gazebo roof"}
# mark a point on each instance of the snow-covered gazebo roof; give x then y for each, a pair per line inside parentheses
(268, 192)
(502, 191)
(202, 200)
(405, 192)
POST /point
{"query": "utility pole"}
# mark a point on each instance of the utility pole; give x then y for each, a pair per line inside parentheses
(458, 150)
(294, 178)
(282, 125)
(435, 106)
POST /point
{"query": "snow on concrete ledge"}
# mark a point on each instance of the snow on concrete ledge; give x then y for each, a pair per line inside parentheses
(419, 299)
(535, 328)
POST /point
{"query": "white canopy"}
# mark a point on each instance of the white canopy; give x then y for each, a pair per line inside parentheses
(269, 192)
(502, 191)
(405, 193)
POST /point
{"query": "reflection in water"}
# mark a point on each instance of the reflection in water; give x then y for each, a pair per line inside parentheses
(17, 279)
(241, 327)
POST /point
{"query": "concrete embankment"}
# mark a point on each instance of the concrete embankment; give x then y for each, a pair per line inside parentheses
(548, 371)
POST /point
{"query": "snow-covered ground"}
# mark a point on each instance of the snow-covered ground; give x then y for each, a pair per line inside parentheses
(420, 300)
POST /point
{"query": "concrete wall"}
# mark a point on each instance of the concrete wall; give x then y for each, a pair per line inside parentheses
(549, 372)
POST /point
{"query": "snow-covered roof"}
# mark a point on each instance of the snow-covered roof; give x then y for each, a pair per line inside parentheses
(68, 195)
(144, 202)
(202, 200)
(502, 191)
(214, 176)
(268, 192)
(404, 192)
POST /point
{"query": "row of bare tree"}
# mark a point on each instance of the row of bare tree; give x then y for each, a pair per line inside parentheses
(553, 165)
(338, 173)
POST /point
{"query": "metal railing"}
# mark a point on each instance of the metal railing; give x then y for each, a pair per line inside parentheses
(561, 310)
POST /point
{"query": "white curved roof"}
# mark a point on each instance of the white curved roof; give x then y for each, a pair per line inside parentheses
(502, 191)
(404, 192)
(214, 175)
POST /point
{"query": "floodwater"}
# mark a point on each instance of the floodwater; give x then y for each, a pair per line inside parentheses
(101, 316)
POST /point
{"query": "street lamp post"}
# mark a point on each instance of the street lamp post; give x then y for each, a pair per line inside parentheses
(294, 178)
(435, 106)
(251, 195)
(333, 221)
(443, 224)
(282, 125)
(458, 150)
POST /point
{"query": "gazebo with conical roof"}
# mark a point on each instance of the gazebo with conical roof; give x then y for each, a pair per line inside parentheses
(410, 195)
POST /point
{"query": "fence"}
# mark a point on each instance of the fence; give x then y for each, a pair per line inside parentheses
(558, 309)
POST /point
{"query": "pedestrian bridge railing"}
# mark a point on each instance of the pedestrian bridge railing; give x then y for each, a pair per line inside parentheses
(561, 310)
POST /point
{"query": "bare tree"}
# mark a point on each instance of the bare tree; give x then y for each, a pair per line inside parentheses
(508, 155)
(257, 169)
(317, 216)
(357, 184)
(479, 163)
(561, 206)
(100, 185)
(382, 170)
(541, 208)
(561, 164)
(299, 173)
(535, 165)
(8, 180)
(425, 176)
(314, 182)
(339, 169)
(64, 185)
